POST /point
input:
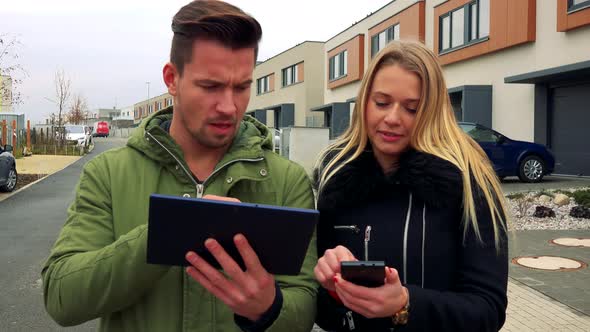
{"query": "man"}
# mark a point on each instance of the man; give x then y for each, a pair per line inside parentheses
(205, 147)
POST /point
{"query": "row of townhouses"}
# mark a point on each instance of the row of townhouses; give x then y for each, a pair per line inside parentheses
(521, 67)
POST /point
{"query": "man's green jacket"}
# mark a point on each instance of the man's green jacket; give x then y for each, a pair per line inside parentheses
(98, 268)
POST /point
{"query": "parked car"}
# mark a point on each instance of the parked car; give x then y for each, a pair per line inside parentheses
(8, 175)
(529, 161)
(101, 129)
(79, 134)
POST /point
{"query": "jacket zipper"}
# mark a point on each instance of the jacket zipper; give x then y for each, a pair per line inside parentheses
(406, 226)
(201, 186)
(367, 239)
(423, 239)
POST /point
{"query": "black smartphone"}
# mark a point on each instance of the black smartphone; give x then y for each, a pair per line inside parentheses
(363, 273)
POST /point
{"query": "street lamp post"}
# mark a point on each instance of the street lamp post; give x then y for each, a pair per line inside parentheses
(148, 98)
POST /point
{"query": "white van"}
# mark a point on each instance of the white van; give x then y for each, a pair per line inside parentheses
(79, 134)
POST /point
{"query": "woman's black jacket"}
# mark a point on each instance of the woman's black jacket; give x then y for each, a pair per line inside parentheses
(455, 281)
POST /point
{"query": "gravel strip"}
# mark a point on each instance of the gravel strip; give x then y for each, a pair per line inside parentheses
(522, 210)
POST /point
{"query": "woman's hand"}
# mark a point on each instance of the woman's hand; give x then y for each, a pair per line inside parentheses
(329, 265)
(384, 301)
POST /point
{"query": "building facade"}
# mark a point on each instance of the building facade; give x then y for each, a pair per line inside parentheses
(521, 67)
(124, 118)
(347, 55)
(143, 109)
(287, 86)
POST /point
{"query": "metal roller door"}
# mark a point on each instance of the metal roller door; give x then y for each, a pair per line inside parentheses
(570, 129)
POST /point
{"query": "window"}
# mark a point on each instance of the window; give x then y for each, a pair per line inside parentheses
(150, 109)
(263, 85)
(381, 39)
(577, 4)
(159, 106)
(465, 25)
(168, 102)
(290, 75)
(480, 134)
(338, 65)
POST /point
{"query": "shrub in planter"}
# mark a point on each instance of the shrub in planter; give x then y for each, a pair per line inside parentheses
(544, 212)
(580, 212)
(582, 197)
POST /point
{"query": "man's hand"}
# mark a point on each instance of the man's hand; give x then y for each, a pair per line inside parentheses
(221, 198)
(248, 293)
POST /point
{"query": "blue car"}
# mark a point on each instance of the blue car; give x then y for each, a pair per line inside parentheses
(529, 161)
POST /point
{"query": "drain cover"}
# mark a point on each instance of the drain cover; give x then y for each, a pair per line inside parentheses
(571, 242)
(549, 263)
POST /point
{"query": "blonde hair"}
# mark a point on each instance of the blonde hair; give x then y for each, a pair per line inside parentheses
(435, 132)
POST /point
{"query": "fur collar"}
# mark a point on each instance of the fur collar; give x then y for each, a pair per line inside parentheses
(434, 180)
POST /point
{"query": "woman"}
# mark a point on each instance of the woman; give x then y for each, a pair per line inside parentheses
(406, 186)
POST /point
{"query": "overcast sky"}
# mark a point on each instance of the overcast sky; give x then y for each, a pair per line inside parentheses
(110, 49)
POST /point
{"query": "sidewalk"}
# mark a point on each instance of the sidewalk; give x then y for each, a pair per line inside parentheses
(43, 164)
(39, 164)
(530, 310)
(568, 286)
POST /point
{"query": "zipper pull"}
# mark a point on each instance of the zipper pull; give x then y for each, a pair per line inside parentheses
(367, 239)
(200, 189)
(353, 228)
(350, 320)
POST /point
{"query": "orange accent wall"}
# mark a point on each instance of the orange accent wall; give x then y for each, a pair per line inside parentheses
(411, 23)
(512, 22)
(356, 61)
(271, 82)
(566, 22)
(300, 72)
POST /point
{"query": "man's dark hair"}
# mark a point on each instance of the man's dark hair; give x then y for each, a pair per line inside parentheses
(211, 20)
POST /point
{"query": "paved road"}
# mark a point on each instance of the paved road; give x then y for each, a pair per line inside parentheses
(512, 184)
(29, 224)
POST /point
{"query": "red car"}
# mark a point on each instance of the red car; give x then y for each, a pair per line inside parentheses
(101, 129)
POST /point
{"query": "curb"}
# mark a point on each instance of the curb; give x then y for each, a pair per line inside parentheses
(34, 182)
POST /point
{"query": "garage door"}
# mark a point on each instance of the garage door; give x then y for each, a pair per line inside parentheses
(570, 129)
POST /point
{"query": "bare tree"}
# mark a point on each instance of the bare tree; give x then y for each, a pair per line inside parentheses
(78, 110)
(11, 72)
(62, 94)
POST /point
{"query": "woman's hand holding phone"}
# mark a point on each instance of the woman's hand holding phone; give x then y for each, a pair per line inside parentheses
(328, 266)
(373, 302)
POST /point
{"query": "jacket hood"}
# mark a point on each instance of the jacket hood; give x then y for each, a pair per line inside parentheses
(252, 138)
(436, 181)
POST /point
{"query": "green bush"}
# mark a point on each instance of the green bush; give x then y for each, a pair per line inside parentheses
(545, 192)
(565, 192)
(582, 197)
(515, 196)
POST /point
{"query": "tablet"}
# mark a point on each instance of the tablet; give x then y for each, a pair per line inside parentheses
(280, 236)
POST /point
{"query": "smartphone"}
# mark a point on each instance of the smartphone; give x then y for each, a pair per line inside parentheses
(364, 273)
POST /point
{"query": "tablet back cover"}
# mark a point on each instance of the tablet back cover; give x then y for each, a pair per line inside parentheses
(280, 236)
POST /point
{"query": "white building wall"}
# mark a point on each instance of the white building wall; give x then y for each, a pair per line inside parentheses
(348, 91)
(513, 104)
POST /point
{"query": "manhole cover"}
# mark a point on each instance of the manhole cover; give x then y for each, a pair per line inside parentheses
(571, 242)
(549, 263)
